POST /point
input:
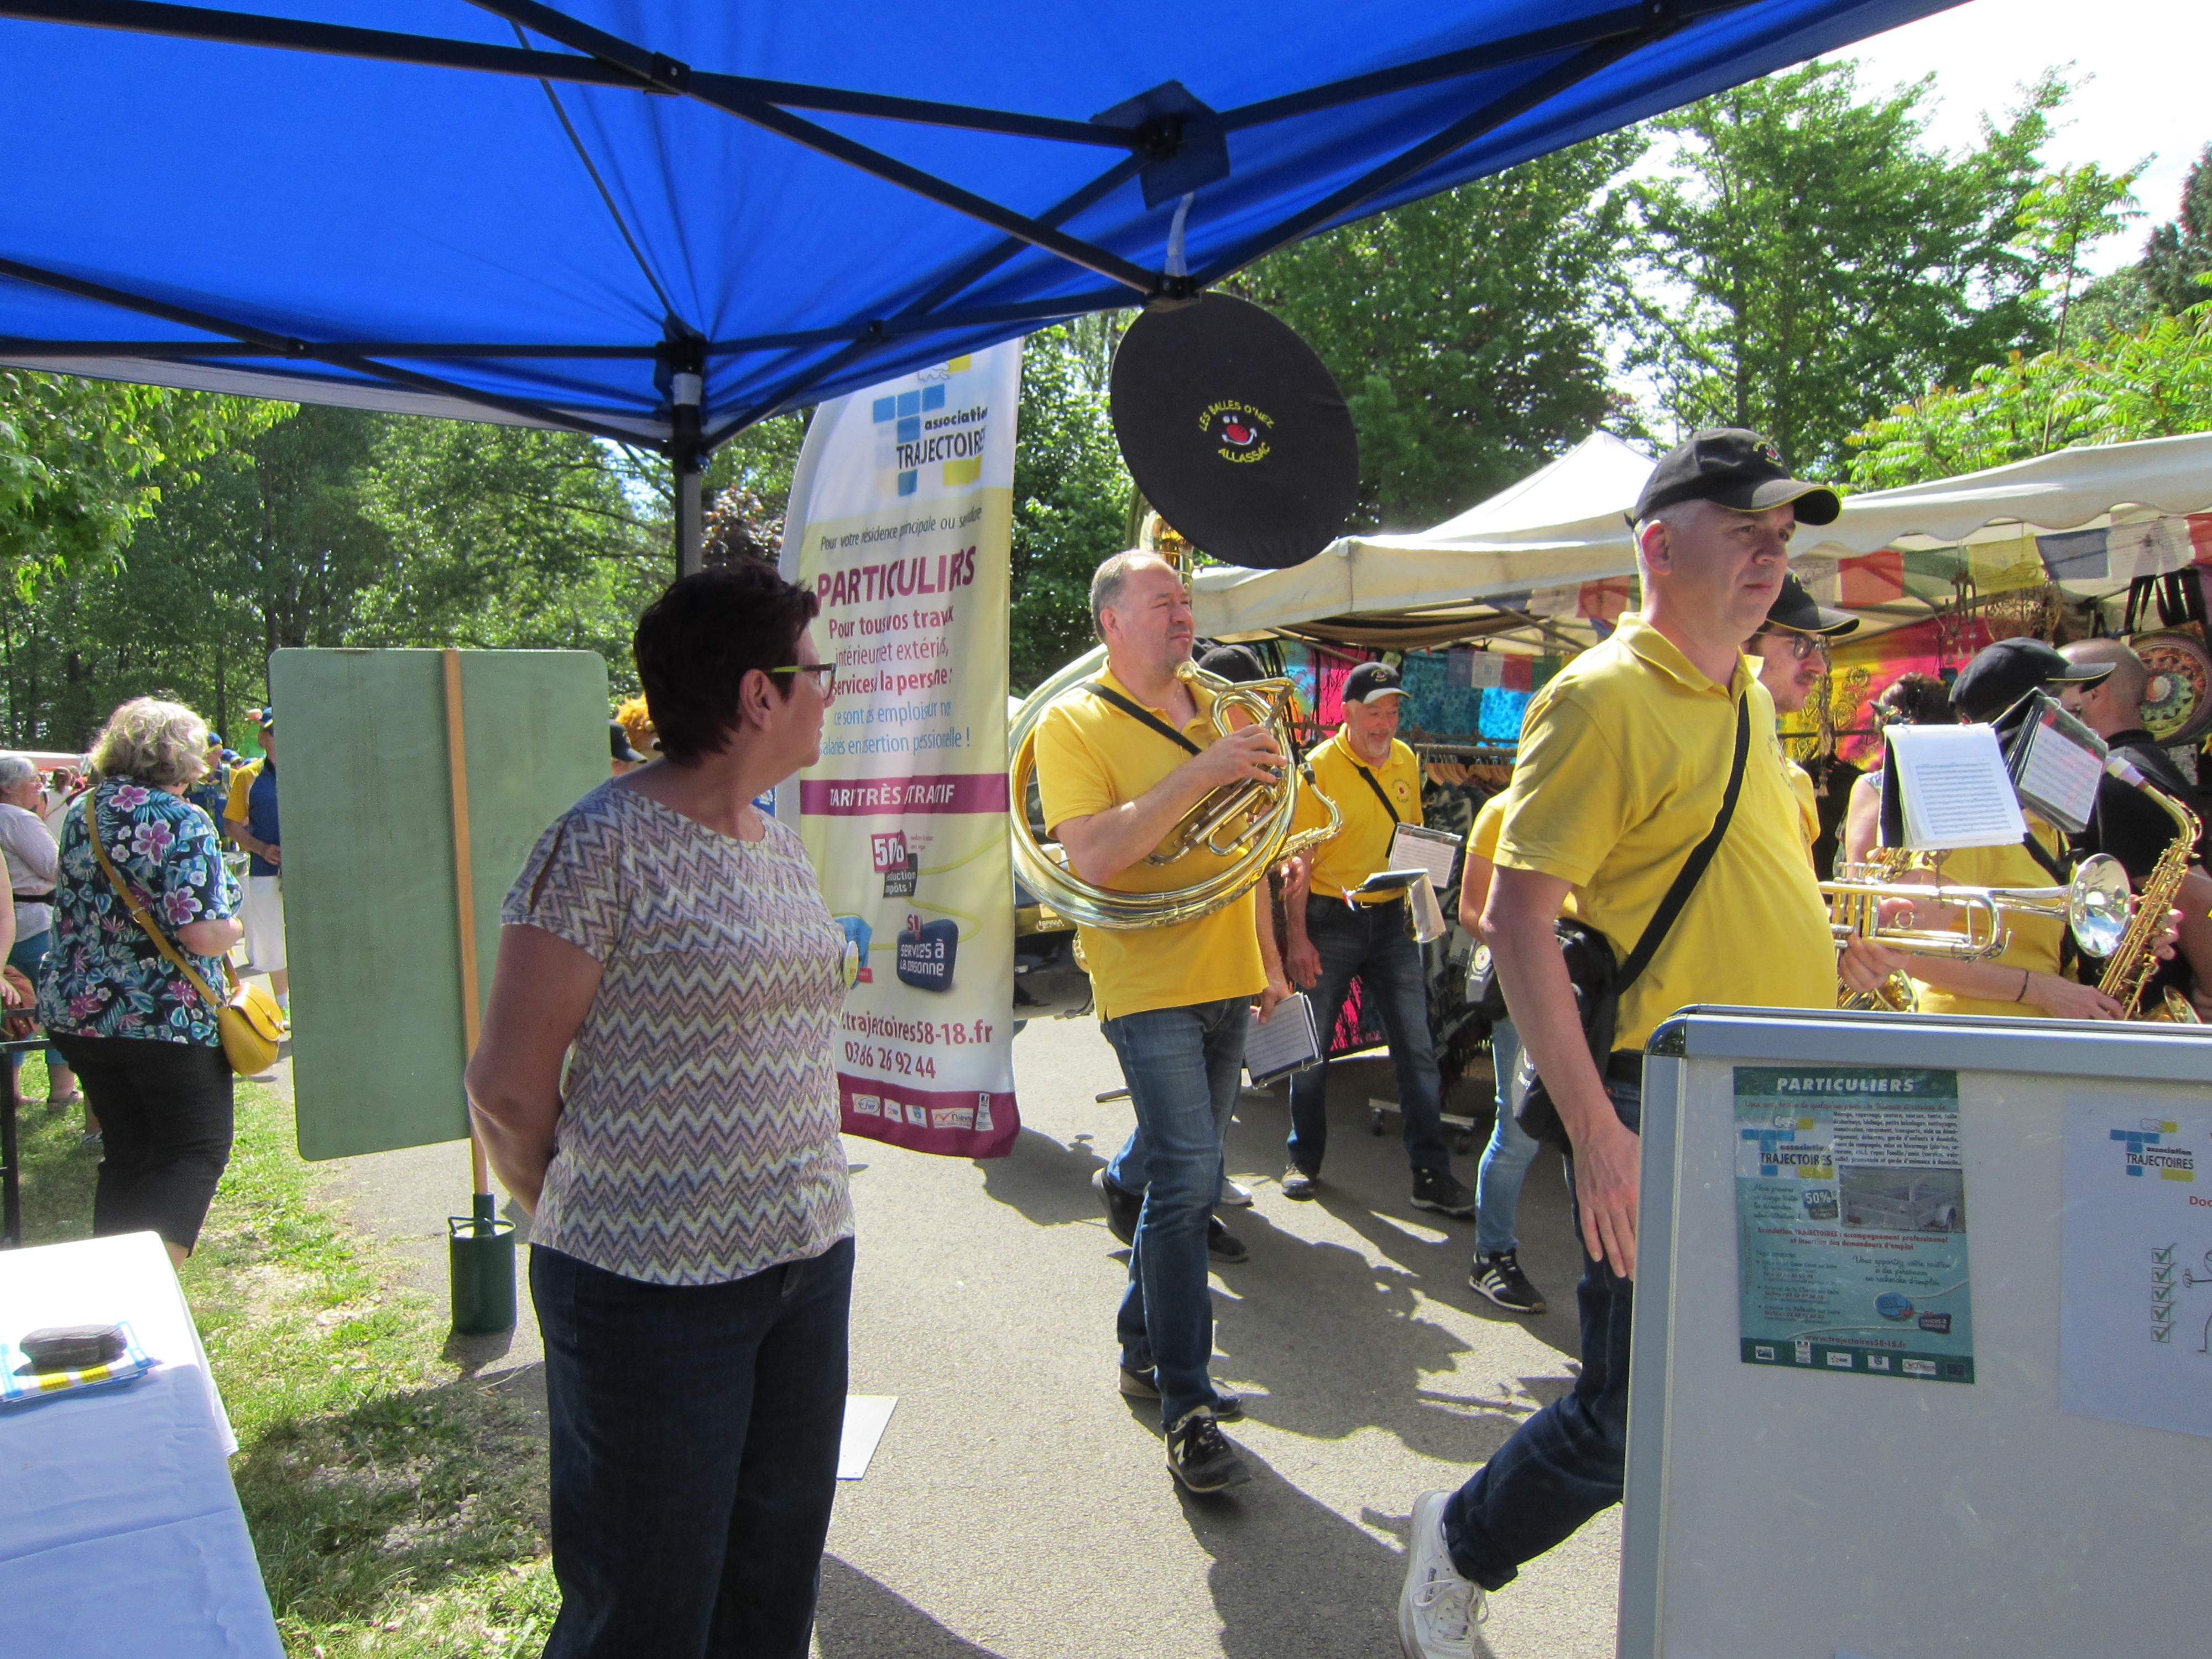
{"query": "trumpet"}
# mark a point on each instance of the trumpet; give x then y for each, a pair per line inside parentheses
(1249, 822)
(2095, 905)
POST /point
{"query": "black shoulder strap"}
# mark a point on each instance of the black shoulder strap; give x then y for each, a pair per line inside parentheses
(1136, 712)
(1687, 879)
(1378, 788)
(2058, 870)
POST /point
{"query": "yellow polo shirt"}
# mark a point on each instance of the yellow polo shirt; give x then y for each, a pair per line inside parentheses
(1091, 757)
(1809, 801)
(1482, 834)
(1624, 760)
(1361, 847)
(2036, 940)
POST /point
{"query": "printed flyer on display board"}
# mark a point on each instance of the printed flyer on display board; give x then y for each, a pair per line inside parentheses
(901, 521)
(1851, 1222)
(2134, 1308)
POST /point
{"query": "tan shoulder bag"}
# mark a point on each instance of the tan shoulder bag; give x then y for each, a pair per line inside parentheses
(249, 1020)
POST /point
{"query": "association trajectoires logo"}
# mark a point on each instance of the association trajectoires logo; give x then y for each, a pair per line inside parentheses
(932, 425)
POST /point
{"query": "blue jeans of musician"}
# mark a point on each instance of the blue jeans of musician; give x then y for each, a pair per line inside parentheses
(1182, 1066)
(1505, 1160)
(1563, 1465)
(1370, 941)
(694, 1432)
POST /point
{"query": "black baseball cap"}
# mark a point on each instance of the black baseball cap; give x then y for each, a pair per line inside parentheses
(1794, 608)
(1736, 468)
(618, 742)
(1371, 682)
(2001, 674)
(1235, 662)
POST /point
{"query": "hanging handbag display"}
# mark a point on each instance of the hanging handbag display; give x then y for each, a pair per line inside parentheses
(251, 1024)
(1598, 983)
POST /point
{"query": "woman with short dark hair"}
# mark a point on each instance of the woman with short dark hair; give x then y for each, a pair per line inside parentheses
(141, 1038)
(691, 1253)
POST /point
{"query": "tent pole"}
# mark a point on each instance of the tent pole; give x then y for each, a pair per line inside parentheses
(687, 454)
(691, 519)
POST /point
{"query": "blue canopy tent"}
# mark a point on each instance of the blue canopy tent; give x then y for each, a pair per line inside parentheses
(659, 221)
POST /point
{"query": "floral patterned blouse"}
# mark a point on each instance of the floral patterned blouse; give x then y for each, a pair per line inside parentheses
(102, 975)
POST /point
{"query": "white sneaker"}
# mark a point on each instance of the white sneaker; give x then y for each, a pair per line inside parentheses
(1234, 1196)
(1437, 1609)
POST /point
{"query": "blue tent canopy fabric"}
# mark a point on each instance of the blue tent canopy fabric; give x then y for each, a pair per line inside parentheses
(658, 221)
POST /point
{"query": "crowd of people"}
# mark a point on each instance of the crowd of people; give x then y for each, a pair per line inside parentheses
(655, 1084)
(124, 918)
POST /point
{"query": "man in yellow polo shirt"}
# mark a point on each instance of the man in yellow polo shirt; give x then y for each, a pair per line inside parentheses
(1119, 761)
(1623, 769)
(1376, 783)
(1791, 649)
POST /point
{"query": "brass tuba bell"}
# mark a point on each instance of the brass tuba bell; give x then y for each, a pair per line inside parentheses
(1249, 822)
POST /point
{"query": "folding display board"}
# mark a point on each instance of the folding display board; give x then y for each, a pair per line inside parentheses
(372, 916)
(1922, 1313)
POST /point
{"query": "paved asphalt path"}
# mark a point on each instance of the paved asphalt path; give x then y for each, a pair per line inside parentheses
(1018, 1507)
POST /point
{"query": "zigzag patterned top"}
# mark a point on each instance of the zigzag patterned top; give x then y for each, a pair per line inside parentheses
(697, 1142)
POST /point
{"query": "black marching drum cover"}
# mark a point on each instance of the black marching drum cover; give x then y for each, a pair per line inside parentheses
(1235, 431)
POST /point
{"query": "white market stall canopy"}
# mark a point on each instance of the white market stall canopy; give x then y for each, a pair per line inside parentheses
(1556, 547)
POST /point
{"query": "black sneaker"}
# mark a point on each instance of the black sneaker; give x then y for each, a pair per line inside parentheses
(1437, 1189)
(1222, 1244)
(1298, 1183)
(1499, 1278)
(1200, 1458)
(1146, 1385)
(1123, 1206)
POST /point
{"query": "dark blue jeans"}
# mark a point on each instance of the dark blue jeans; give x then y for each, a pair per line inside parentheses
(1563, 1464)
(694, 1433)
(1370, 941)
(1181, 1066)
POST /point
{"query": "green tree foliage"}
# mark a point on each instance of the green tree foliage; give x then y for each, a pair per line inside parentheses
(2154, 383)
(1071, 495)
(1813, 262)
(2171, 277)
(505, 537)
(1467, 330)
(82, 461)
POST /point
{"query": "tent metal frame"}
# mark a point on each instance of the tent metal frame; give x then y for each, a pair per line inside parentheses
(1173, 152)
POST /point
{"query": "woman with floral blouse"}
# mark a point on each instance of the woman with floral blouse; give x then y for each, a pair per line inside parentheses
(142, 1040)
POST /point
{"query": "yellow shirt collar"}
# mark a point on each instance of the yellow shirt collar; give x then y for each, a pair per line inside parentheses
(1662, 653)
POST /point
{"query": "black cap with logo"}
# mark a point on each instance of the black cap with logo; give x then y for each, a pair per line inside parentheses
(1794, 608)
(2001, 674)
(1371, 682)
(1735, 468)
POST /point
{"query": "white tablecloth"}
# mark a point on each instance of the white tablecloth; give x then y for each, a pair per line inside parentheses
(120, 1533)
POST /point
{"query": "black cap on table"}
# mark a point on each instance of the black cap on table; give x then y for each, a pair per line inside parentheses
(2001, 674)
(1736, 468)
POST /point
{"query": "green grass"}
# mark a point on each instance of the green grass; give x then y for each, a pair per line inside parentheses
(396, 1505)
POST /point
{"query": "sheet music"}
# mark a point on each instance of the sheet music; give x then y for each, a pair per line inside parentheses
(2061, 763)
(1287, 1042)
(1428, 914)
(1414, 847)
(1956, 790)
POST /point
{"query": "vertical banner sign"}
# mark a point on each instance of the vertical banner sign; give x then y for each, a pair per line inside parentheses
(901, 520)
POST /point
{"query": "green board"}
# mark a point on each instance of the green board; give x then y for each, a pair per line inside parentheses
(371, 913)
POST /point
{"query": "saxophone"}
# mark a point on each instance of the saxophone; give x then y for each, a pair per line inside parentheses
(2134, 960)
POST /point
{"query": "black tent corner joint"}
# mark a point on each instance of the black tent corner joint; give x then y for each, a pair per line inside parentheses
(1182, 139)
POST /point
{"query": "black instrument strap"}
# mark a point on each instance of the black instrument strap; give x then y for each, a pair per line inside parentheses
(1137, 711)
(1686, 878)
(2059, 869)
(1378, 788)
